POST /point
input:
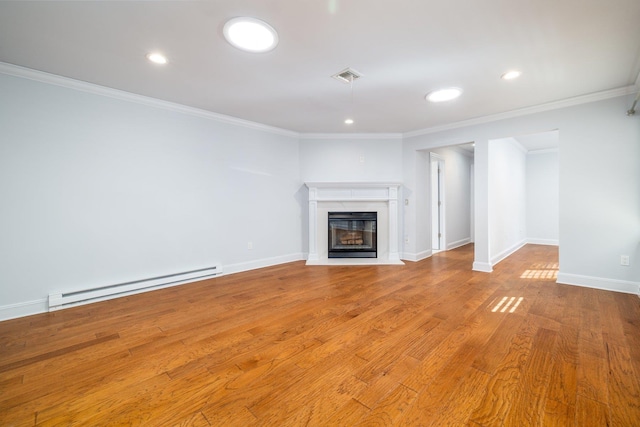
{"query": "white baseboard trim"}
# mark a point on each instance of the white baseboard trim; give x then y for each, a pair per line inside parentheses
(408, 256)
(504, 254)
(615, 285)
(548, 242)
(261, 263)
(483, 267)
(459, 243)
(23, 309)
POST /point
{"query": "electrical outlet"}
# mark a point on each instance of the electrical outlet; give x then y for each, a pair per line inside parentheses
(250, 245)
(624, 259)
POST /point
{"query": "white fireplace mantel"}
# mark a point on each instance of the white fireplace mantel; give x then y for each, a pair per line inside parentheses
(355, 194)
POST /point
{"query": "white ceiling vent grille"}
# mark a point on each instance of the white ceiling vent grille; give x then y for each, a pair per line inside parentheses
(347, 76)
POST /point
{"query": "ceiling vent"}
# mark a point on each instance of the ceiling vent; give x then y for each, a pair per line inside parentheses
(347, 76)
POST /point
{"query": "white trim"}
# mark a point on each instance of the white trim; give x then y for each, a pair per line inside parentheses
(350, 136)
(408, 256)
(44, 77)
(66, 82)
(548, 242)
(262, 263)
(509, 251)
(23, 309)
(355, 261)
(544, 151)
(569, 102)
(623, 286)
(459, 243)
(483, 267)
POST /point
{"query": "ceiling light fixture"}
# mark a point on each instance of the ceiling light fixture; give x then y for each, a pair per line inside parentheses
(442, 95)
(157, 58)
(250, 34)
(348, 75)
(510, 75)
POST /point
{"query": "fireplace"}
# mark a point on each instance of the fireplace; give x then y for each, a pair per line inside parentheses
(353, 235)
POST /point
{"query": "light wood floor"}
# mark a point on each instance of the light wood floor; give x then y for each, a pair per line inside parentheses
(294, 345)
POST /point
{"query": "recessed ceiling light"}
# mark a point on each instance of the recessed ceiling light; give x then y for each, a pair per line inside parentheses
(348, 121)
(442, 95)
(250, 34)
(510, 75)
(157, 58)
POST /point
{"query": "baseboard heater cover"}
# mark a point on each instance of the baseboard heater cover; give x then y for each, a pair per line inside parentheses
(60, 300)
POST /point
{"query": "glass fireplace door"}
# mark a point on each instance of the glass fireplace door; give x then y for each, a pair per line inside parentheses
(353, 235)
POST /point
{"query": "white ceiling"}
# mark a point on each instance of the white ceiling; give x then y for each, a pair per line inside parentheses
(403, 48)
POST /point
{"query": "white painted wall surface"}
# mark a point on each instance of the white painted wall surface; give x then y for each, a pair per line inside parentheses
(599, 185)
(97, 191)
(507, 197)
(542, 197)
(343, 159)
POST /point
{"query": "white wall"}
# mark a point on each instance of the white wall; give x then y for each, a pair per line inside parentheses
(507, 198)
(98, 190)
(348, 158)
(599, 186)
(356, 159)
(542, 197)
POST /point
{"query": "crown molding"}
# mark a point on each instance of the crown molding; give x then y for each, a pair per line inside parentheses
(92, 88)
(544, 151)
(368, 136)
(67, 82)
(569, 102)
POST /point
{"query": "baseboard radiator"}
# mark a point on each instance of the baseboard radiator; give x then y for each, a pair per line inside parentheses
(60, 300)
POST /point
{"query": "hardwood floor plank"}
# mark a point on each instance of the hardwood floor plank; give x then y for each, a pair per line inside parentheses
(293, 345)
(558, 414)
(349, 414)
(496, 400)
(389, 409)
(379, 387)
(56, 353)
(461, 400)
(592, 413)
(591, 381)
(194, 420)
(624, 387)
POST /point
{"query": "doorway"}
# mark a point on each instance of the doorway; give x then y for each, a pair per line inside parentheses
(437, 203)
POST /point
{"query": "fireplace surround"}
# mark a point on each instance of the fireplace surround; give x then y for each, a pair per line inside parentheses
(382, 198)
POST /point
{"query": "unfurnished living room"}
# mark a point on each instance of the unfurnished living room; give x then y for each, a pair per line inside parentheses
(320, 213)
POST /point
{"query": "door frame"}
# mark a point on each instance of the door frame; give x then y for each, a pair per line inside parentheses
(437, 190)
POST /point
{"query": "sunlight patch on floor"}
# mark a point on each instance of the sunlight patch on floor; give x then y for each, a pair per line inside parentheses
(542, 271)
(509, 301)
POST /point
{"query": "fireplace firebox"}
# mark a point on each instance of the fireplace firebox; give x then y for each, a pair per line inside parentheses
(353, 235)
